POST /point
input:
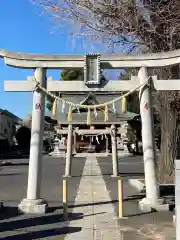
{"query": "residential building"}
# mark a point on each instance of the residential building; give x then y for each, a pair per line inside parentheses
(9, 123)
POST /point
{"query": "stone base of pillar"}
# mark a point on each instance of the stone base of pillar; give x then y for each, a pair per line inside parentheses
(124, 153)
(29, 206)
(58, 153)
(145, 205)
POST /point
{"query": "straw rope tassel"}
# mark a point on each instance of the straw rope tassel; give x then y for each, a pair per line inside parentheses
(70, 114)
(124, 104)
(89, 117)
(54, 108)
(106, 113)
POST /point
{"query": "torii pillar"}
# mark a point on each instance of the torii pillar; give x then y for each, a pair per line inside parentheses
(33, 203)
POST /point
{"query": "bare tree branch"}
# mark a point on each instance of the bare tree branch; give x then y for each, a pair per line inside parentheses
(154, 24)
(150, 21)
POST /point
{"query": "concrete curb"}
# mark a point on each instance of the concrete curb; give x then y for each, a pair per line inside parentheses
(137, 184)
(140, 185)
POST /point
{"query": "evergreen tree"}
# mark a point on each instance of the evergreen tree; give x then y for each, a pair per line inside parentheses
(66, 75)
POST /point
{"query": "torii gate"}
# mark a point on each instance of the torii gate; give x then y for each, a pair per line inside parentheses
(42, 62)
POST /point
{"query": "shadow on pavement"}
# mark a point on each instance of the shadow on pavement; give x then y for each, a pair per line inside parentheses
(35, 221)
(125, 175)
(134, 197)
(8, 212)
(92, 175)
(21, 226)
(16, 164)
(10, 174)
(43, 233)
(53, 209)
(168, 193)
(31, 221)
(166, 190)
(13, 156)
(139, 214)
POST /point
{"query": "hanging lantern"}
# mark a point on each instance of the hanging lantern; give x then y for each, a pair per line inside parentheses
(97, 139)
(106, 113)
(95, 113)
(114, 107)
(89, 117)
(70, 114)
(54, 108)
(78, 110)
(124, 105)
(63, 107)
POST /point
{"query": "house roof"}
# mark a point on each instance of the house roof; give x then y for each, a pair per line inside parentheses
(13, 116)
(91, 99)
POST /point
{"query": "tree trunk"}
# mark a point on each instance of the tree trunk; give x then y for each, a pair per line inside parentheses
(169, 134)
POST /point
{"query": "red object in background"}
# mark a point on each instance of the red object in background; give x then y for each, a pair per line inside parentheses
(38, 106)
(146, 105)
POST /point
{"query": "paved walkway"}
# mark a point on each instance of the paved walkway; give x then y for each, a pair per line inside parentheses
(99, 221)
(92, 196)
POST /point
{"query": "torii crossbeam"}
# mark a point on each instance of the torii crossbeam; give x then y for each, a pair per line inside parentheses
(42, 62)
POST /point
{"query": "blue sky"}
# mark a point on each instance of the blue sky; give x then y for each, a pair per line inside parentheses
(23, 29)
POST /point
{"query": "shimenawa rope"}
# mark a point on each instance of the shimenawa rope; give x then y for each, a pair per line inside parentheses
(88, 107)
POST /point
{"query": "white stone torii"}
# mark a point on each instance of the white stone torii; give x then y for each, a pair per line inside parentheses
(41, 62)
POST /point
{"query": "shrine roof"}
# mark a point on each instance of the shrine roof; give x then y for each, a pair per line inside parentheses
(82, 118)
(92, 99)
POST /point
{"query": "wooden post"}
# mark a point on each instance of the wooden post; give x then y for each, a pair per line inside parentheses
(120, 198)
(74, 145)
(65, 198)
(107, 145)
(114, 151)
(69, 152)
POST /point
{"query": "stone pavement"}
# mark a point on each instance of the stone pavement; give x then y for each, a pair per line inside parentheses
(93, 200)
(100, 213)
(99, 222)
(13, 186)
(140, 226)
